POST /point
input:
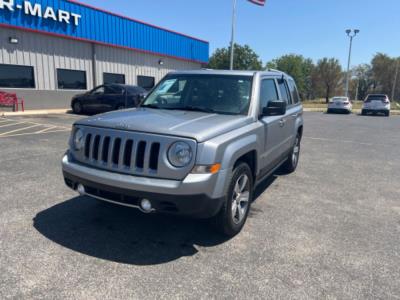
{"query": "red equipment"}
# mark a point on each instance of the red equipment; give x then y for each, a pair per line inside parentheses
(11, 100)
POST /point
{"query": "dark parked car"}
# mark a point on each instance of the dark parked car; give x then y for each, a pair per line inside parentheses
(108, 97)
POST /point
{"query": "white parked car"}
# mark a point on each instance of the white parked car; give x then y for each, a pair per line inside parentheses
(340, 105)
(376, 103)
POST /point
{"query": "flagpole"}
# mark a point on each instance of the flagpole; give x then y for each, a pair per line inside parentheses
(233, 33)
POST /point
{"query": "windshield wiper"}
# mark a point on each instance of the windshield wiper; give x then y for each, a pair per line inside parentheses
(196, 108)
(151, 106)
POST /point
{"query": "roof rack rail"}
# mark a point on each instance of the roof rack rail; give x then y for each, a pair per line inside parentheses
(274, 70)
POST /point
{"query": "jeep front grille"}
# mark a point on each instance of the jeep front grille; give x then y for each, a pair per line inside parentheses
(123, 153)
(130, 152)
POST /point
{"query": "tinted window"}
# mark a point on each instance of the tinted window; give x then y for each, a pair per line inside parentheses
(115, 89)
(146, 82)
(284, 91)
(12, 76)
(268, 92)
(293, 91)
(71, 79)
(135, 90)
(109, 78)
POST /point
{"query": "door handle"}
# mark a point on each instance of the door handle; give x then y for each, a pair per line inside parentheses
(282, 122)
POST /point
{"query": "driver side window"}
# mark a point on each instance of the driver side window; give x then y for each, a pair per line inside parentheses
(98, 91)
(268, 92)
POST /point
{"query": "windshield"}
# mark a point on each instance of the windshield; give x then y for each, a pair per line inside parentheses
(223, 94)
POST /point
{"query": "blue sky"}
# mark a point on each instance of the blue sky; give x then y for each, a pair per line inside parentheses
(313, 28)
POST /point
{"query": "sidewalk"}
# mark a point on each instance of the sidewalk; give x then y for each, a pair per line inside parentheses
(35, 112)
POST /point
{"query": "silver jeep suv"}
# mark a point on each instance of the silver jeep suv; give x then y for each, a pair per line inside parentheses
(197, 146)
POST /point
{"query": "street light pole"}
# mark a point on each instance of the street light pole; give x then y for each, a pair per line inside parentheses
(395, 79)
(233, 34)
(351, 34)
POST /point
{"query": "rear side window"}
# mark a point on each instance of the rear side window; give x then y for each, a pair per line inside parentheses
(268, 92)
(293, 91)
(284, 91)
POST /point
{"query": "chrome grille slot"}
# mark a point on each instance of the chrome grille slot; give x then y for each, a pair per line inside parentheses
(96, 144)
(87, 145)
(140, 153)
(115, 151)
(128, 153)
(133, 153)
(154, 155)
(104, 150)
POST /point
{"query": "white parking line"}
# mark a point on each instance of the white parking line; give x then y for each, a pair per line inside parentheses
(12, 124)
(19, 129)
(33, 133)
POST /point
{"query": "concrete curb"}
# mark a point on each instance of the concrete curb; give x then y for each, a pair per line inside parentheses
(355, 111)
(35, 112)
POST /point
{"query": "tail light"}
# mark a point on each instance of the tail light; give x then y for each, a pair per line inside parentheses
(386, 101)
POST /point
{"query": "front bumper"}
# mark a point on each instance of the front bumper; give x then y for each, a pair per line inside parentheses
(198, 195)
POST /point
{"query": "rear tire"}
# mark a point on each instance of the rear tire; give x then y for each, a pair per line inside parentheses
(363, 112)
(293, 159)
(77, 107)
(235, 209)
(387, 114)
(328, 111)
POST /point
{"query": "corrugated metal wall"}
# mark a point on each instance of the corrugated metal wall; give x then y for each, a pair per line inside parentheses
(104, 27)
(46, 54)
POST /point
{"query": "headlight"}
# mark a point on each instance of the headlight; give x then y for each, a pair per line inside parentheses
(180, 154)
(77, 139)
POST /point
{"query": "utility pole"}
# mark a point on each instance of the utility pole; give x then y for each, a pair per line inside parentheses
(233, 33)
(395, 79)
(351, 34)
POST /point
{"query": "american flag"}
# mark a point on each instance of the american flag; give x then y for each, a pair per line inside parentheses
(258, 2)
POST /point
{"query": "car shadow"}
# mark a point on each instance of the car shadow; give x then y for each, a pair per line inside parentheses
(122, 234)
(125, 235)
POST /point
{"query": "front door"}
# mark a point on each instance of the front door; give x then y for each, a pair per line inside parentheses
(274, 127)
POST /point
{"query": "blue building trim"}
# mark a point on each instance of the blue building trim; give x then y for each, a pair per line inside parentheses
(79, 21)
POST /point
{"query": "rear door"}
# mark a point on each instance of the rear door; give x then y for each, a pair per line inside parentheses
(114, 96)
(289, 119)
(273, 129)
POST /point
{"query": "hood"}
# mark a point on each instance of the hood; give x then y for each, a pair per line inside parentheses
(197, 125)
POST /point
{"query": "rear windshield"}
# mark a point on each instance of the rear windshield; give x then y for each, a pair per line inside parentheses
(339, 99)
(376, 97)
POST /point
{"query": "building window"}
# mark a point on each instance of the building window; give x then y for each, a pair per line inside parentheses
(71, 79)
(110, 78)
(146, 82)
(13, 76)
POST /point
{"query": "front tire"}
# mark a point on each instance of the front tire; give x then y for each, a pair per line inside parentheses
(293, 159)
(387, 114)
(77, 107)
(363, 112)
(233, 215)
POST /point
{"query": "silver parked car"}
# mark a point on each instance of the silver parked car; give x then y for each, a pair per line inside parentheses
(376, 103)
(340, 105)
(198, 145)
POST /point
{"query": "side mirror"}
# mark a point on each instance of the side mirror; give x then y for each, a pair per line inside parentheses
(275, 108)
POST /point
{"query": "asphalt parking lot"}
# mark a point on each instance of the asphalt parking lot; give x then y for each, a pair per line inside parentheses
(330, 230)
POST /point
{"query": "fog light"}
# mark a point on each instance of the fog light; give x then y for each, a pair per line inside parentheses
(145, 204)
(81, 189)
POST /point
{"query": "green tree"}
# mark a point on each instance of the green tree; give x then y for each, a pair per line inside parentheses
(299, 68)
(327, 77)
(364, 80)
(383, 70)
(244, 59)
